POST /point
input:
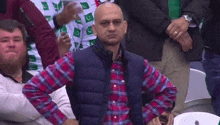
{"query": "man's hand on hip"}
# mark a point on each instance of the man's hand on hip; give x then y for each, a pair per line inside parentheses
(71, 122)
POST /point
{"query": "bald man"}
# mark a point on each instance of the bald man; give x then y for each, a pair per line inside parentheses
(104, 81)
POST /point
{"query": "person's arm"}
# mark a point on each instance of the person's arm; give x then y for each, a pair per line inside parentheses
(61, 98)
(163, 90)
(41, 32)
(68, 14)
(191, 16)
(55, 76)
(197, 10)
(15, 107)
(148, 14)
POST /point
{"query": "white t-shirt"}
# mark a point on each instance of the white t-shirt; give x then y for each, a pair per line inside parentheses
(14, 106)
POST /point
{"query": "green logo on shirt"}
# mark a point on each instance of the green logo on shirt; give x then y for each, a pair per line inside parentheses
(89, 30)
(91, 42)
(55, 6)
(29, 48)
(89, 17)
(48, 18)
(78, 21)
(32, 58)
(85, 5)
(45, 5)
(60, 5)
(76, 45)
(33, 67)
(76, 32)
(63, 29)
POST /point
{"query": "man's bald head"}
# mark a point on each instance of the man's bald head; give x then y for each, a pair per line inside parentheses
(109, 26)
(107, 8)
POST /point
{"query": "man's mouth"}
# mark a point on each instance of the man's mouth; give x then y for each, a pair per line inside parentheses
(11, 52)
(112, 35)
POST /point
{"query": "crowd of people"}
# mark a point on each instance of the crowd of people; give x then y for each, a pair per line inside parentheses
(94, 62)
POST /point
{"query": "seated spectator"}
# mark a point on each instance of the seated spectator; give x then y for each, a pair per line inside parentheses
(38, 29)
(82, 34)
(105, 81)
(14, 106)
(57, 16)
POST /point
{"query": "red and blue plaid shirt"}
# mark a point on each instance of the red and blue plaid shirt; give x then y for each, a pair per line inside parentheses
(62, 73)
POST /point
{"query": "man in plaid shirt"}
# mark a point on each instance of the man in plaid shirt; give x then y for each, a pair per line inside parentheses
(104, 81)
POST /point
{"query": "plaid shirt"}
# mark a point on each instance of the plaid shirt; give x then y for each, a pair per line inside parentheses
(60, 73)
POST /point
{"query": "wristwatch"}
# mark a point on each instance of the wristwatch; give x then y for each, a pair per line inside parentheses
(187, 18)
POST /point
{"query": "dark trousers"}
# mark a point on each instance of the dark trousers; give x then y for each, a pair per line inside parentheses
(211, 66)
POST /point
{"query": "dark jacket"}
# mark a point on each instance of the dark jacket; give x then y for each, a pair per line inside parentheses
(147, 23)
(39, 30)
(90, 94)
(211, 27)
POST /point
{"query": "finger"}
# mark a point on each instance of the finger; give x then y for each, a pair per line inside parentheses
(77, 17)
(171, 119)
(157, 121)
(178, 35)
(63, 34)
(59, 39)
(174, 31)
(71, 5)
(188, 39)
(67, 40)
(72, 10)
(183, 44)
(169, 28)
(66, 36)
(187, 46)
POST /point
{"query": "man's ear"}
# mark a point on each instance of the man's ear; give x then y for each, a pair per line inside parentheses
(125, 25)
(94, 30)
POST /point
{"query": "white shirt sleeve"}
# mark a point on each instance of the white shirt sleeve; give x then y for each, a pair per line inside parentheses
(15, 107)
(61, 98)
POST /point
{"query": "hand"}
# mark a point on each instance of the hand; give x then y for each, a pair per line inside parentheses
(69, 13)
(177, 28)
(166, 118)
(63, 44)
(154, 121)
(171, 119)
(185, 41)
(71, 122)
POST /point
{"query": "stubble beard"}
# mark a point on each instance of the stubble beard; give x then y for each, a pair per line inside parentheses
(11, 65)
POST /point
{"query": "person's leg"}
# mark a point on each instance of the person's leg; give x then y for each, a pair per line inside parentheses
(211, 66)
(176, 68)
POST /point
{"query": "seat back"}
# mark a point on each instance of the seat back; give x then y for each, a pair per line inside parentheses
(196, 118)
(197, 86)
(198, 98)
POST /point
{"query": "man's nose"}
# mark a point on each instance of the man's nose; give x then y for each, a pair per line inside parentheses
(111, 27)
(11, 43)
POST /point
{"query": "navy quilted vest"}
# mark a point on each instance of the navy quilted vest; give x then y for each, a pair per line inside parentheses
(90, 93)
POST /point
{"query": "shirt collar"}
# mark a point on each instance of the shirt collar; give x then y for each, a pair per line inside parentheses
(119, 55)
(25, 76)
(105, 54)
